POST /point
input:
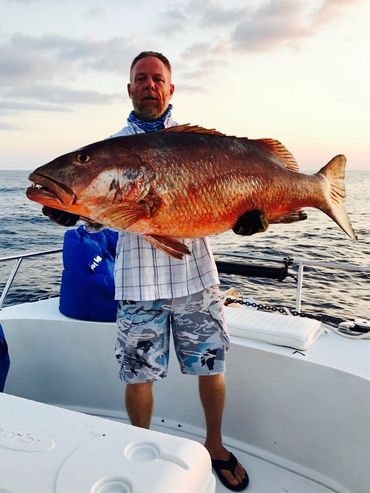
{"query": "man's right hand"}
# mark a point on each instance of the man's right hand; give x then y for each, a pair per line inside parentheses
(60, 217)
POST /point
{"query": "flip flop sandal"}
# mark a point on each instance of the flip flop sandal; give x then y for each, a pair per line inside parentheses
(229, 465)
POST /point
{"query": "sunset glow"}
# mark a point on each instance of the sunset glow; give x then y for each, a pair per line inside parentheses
(294, 70)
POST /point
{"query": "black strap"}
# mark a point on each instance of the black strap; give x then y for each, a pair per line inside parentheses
(229, 465)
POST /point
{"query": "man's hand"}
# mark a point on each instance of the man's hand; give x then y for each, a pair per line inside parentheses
(250, 223)
(92, 227)
(60, 217)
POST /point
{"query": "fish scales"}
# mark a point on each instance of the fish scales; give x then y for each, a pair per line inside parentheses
(187, 182)
(223, 184)
(185, 197)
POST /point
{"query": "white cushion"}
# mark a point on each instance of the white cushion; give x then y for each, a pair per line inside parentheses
(282, 330)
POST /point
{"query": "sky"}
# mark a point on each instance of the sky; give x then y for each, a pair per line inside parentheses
(294, 70)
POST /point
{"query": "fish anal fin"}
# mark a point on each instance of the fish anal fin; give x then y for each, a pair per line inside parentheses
(290, 217)
(170, 246)
(188, 128)
(124, 215)
(281, 152)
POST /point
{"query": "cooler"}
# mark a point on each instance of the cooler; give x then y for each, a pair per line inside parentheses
(45, 449)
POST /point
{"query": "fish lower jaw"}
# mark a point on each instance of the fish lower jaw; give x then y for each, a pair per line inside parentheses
(44, 188)
(39, 194)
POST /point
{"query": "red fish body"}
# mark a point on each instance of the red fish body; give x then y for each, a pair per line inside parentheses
(187, 182)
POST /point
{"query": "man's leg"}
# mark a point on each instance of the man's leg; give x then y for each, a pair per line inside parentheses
(201, 341)
(212, 396)
(142, 353)
(139, 403)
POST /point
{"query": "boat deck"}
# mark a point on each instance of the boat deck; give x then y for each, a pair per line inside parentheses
(265, 476)
(78, 452)
(287, 444)
(267, 473)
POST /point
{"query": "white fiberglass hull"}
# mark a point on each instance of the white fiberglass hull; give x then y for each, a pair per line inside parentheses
(298, 420)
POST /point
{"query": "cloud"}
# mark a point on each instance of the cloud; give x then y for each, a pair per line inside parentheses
(29, 2)
(61, 94)
(212, 14)
(88, 53)
(209, 50)
(30, 60)
(220, 32)
(95, 13)
(31, 69)
(265, 27)
(285, 22)
(205, 14)
(172, 21)
(8, 126)
(200, 57)
(330, 9)
(17, 65)
(192, 88)
(271, 25)
(15, 105)
(199, 64)
(204, 69)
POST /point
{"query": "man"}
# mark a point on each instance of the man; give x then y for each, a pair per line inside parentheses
(156, 292)
(180, 293)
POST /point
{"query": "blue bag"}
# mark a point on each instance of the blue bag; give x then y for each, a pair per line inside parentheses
(4, 359)
(87, 287)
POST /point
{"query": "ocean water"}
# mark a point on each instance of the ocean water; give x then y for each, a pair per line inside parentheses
(341, 294)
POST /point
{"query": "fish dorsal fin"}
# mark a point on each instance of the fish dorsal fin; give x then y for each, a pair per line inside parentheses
(196, 129)
(281, 152)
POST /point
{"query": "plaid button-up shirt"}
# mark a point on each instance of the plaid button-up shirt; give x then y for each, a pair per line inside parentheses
(142, 272)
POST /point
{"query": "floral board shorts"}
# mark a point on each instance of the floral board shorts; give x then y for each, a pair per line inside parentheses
(199, 332)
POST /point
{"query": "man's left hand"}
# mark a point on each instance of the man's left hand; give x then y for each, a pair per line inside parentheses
(250, 223)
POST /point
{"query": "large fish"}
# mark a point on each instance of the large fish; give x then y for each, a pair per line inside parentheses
(186, 182)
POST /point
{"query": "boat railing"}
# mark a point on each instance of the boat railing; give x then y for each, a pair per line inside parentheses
(285, 262)
(299, 265)
(18, 261)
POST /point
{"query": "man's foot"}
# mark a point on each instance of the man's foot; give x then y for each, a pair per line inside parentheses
(230, 472)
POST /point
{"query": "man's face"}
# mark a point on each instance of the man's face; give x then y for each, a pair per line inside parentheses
(150, 88)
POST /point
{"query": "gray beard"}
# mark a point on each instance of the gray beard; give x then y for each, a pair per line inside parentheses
(148, 113)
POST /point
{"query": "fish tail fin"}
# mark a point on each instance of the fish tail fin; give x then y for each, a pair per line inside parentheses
(334, 203)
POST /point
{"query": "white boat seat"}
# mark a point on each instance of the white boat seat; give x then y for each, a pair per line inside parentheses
(272, 328)
(282, 330)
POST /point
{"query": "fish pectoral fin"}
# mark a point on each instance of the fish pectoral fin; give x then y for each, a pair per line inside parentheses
(170, 246)
(123, 215)
(250, 223)
(290, 217)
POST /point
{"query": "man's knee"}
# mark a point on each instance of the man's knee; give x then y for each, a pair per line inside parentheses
(216, 381)
(139, 389)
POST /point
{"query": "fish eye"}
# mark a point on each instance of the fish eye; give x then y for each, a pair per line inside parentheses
(83, 158)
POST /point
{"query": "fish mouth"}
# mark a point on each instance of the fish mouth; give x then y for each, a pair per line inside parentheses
(48, 191)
